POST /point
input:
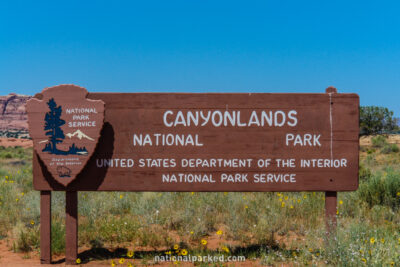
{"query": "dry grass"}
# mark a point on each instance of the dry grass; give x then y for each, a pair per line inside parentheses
(267, 228)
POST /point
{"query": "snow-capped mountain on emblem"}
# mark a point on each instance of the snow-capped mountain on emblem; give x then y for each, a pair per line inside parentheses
(79, 134)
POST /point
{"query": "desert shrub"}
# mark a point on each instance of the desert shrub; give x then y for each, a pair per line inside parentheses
(389, 148)
(382, 189)
(370, 151)
(359, 245)
(27, 237)
(395, 148)
(14, 152)
(25, 242)
(364, 173)
(379, 141)
(381, 213)
(57, 236)
(370, 160)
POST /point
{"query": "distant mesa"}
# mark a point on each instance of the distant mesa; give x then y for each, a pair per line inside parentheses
(79, 134)
(13, 118)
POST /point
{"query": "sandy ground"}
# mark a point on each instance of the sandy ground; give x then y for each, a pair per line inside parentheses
(7, 142)
(392, 139)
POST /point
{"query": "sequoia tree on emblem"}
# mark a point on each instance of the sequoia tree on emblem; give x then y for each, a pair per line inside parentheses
(65, 128)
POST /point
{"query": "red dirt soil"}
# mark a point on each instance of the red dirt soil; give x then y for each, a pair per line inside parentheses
(8, 258)
(13, 142)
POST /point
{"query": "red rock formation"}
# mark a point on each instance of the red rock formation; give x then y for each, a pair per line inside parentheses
(13, 118)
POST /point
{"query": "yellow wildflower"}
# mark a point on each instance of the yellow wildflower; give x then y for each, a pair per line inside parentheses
(246, 207)
(291, 206)
(191, 232)
(130, 254)
(129, 264)
(32, 222)
(112, 263)
(304, 196)
(299, 200)
(286, 197)
(364, 260)
(382, 240)
(219, 232)
(78, 260)
(226, 249)
(372, 240)
(184, 252)
(121, 260)
(204, 242)
(341, 202)
(17, 199)
(280, 199)
(121, 196)
(337, 212)
(398, 194)
(283, 204)
(22, 194)
(225, 193)
(176, 246)
(310, 249)
(192, 193)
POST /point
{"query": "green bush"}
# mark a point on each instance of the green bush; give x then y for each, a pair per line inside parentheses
(379, 141)
(364, 173)
(14, 153)
(389, 148)
(370, 151)
(381, 189)
(395, 148)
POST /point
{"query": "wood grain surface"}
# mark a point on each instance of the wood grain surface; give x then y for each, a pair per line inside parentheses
(331, 116)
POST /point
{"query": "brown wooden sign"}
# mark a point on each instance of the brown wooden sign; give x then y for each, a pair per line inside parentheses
(189, 142)
(211, 142)
(65, 128)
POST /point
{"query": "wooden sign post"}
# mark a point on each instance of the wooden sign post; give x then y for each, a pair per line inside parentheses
(189, 142)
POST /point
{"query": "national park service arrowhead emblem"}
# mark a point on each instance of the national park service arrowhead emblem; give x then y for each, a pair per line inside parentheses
(65, 127)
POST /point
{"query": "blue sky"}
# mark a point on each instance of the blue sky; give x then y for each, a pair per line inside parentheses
(203, 46)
